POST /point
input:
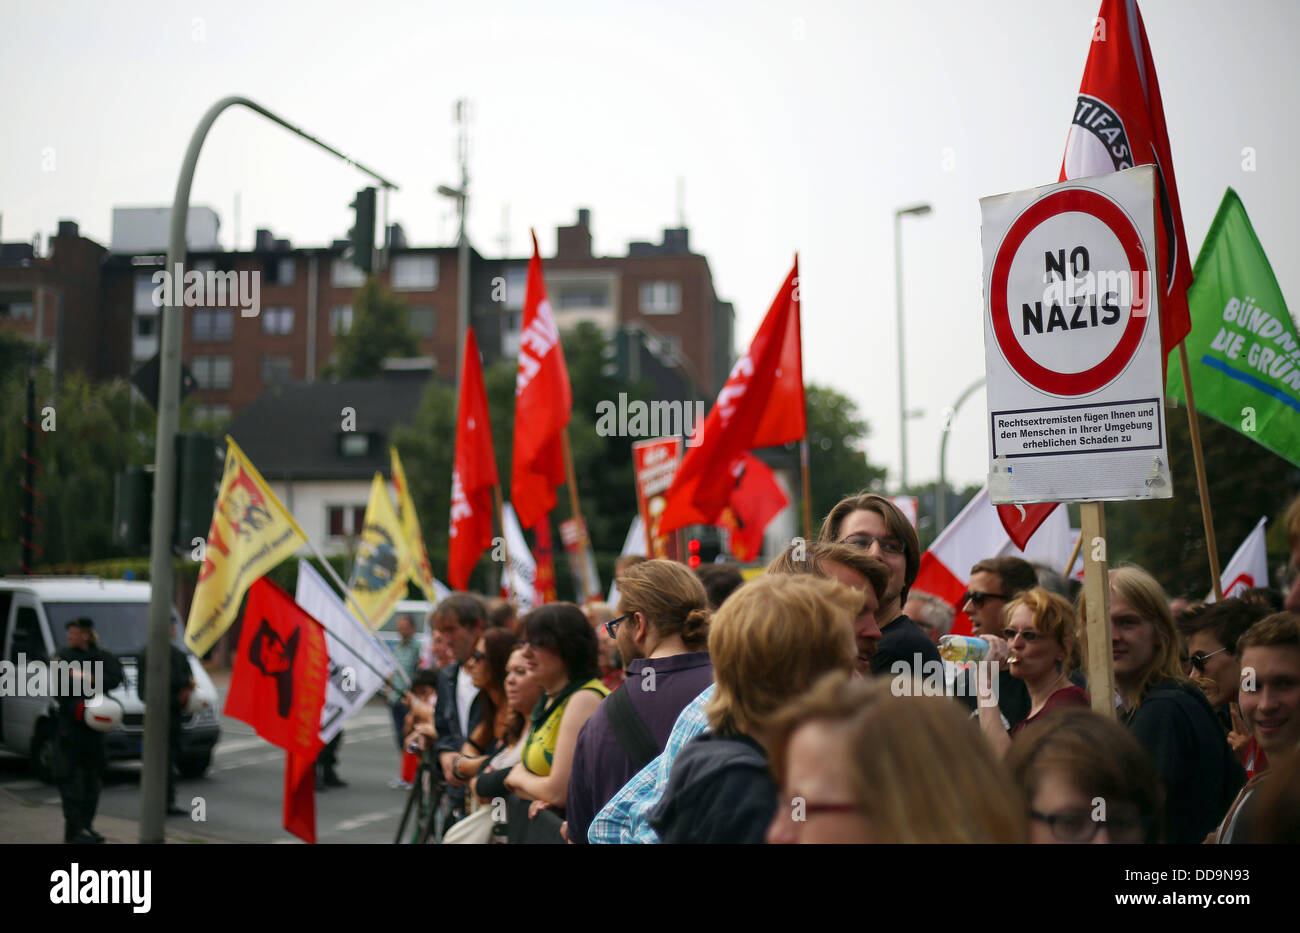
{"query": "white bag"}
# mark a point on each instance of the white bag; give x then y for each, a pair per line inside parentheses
(475, 829)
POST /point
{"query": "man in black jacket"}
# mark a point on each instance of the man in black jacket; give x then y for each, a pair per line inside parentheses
(460, 618)
(79, 749)
(180, 687)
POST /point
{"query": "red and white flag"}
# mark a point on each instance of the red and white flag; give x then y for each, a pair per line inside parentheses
(1248, 567)
(474, 472)
(977, 534)
(543, 400)
(761, 405)
(1119, 122)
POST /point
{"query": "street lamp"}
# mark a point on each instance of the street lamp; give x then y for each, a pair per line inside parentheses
(916, 210)
(941, 496)
(461, 197)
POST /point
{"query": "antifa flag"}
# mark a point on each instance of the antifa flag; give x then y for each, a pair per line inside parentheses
(474, 472)
(1119, 122)
(761, 405)
(277, 686)
(543, 400)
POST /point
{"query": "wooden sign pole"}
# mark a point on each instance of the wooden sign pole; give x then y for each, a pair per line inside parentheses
(1099, 663)
(588, 594)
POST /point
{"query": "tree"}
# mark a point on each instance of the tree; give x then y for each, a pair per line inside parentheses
(837, 465)
(1167, 537)
(88, 434)
(379, 331)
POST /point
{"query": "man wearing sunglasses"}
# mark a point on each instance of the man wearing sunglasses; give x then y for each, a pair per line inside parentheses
(1211, 635)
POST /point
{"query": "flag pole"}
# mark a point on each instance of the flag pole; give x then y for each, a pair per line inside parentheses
(505, 543)
(347, 594)
(807, 484)
(1202, 486)
(577, 513)
(1074, 555)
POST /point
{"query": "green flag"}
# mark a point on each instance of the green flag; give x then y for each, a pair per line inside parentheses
(1243, 350)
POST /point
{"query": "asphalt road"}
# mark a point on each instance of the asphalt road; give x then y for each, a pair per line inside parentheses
(242, 792)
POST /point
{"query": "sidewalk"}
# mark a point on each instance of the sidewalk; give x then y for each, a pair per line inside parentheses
(26, 823)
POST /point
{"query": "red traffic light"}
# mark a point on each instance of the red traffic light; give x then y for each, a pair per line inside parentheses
(693, 546)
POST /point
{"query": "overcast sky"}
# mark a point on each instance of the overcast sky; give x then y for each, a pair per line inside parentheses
(794, 126)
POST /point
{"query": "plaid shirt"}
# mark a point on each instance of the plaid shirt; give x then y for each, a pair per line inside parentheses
(625, 817)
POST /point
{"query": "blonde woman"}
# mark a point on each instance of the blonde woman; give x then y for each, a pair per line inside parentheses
(770, 642)
(858, 764)
(1166, 713)
(1039, 630)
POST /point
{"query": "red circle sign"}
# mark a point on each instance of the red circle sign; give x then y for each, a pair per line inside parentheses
(1040, 377)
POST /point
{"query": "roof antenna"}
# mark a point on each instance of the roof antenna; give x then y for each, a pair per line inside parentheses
(681, 201)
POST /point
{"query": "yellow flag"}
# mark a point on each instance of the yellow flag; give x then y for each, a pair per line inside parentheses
(251, 532)
(421, 570)
(383, 562)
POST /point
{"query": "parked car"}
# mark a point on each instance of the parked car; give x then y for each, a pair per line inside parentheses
(34, 612)
(417, 610)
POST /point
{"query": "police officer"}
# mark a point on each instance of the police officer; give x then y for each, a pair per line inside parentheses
(79, 749)
(181, 686)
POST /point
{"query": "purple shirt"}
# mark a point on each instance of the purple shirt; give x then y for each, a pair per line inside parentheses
(600, 766)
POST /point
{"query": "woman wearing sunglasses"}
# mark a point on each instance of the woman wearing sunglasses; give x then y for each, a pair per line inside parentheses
(487, 669)
(1038, 628)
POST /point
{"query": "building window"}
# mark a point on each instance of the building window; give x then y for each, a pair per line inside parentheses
(20, 311)
(661, 297)
(582, 296)
(516, 283)
(276, 369)
(420, 321)
(211, 372)
(345, 520)
(284, 270)
(345, 275)
(277, 321)
(144, 289)
(146, 325)
(415, 273)
(213, 325)
(215, 414)
(354, 444)
(341, 320)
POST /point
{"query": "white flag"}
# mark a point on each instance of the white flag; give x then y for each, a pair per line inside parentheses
(521, 574)
(359, 666)
(1248, 567)
(633, 544)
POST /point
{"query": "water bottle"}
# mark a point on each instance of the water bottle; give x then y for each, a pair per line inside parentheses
(960, 649)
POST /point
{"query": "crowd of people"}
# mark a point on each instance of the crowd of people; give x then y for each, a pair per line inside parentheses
(706, 708)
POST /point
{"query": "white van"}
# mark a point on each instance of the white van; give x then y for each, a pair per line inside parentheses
(34, 612)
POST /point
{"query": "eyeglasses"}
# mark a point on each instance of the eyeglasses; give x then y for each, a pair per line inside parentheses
(864, 541)
(1198, 660)
(977, 599)
(612, 625)
(1079, 825)
(1027, 634)
(477, 656)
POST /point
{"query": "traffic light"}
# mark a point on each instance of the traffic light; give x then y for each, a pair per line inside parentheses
(361, 238)
(197, 473)
(693, 553)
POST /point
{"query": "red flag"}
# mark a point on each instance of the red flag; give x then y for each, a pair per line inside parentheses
(1020, 530)
(1119, 122)
(544, 557)
(755, 500)
(473, 474)
(761, 405)
(542, 403)
(277, 686)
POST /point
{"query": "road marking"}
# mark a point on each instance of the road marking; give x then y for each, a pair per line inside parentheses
(362, 734)
(364, 820)
(24, 785)
(277, 755)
